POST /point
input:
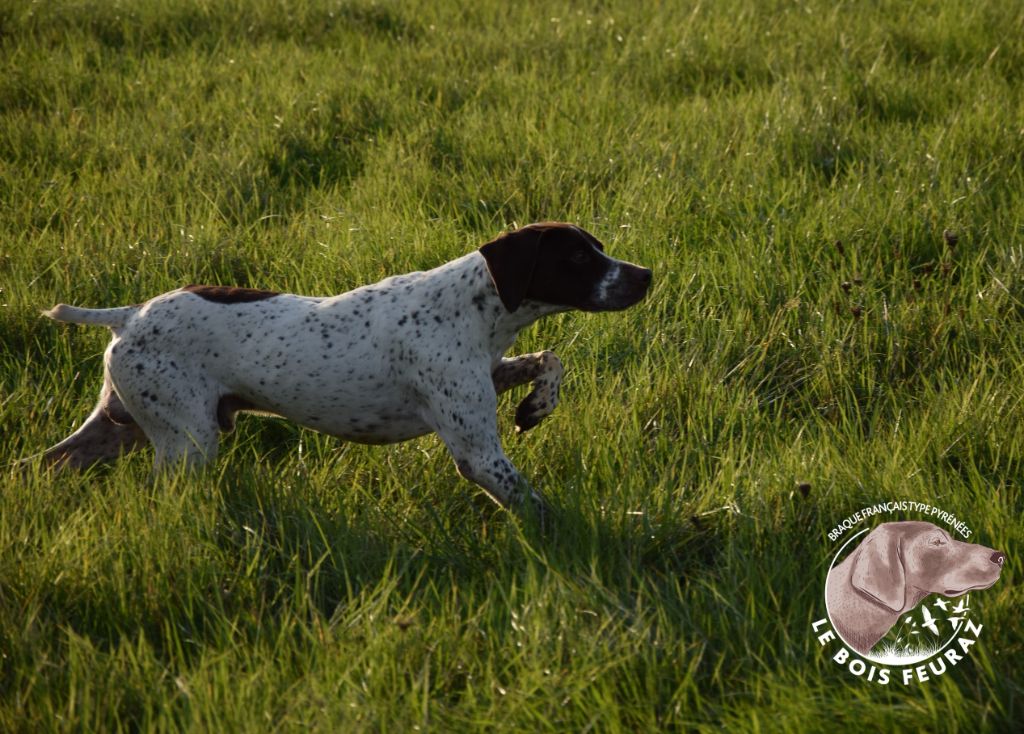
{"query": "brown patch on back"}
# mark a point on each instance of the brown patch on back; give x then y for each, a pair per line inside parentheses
(229, 294)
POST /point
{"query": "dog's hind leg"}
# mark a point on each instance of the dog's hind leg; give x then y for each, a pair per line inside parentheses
(107, 433)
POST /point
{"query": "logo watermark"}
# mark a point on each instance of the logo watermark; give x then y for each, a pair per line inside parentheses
(898, 593)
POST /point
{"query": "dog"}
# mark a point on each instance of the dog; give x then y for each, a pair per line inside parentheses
(409, 355)
(896, 566)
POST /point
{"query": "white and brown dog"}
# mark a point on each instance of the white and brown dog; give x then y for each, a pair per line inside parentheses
(893, 569)
(410, 355)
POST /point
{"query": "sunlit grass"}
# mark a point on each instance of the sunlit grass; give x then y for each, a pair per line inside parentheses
(813, 343)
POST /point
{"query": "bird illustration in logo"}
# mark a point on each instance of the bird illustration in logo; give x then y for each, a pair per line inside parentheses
(929, 620)
(910, 629)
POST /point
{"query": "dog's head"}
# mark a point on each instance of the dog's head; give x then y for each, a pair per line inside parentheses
(898, 557)
(561, 265)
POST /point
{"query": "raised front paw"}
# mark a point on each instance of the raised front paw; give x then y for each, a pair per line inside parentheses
(534, 408)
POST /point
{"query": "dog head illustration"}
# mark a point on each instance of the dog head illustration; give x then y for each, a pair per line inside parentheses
(899, 563)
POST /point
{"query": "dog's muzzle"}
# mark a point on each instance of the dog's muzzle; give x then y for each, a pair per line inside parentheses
(622, 286)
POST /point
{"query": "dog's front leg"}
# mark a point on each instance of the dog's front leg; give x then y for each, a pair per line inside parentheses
(467, 423)
(545, 370)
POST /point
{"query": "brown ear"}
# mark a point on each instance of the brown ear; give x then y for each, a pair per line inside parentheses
(511, 259)
(878, 568)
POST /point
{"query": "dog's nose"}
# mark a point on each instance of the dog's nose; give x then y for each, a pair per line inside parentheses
(998, 557)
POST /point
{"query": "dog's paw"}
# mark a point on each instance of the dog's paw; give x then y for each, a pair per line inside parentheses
(538, 513)
(532, 411)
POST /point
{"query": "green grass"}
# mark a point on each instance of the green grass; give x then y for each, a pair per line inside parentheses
(787, 170)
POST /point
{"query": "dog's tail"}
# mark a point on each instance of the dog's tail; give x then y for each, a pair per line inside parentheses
(115, 318)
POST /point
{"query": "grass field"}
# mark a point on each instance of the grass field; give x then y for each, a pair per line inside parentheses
(813, 344)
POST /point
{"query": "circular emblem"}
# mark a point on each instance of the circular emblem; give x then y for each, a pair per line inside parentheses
(899, 602)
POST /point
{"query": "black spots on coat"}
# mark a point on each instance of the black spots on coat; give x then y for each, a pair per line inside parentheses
(480, 301)
(313, 323)
(457, 419)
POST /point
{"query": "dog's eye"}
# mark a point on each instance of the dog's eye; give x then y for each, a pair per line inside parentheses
(938, 541)
(579, 257)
